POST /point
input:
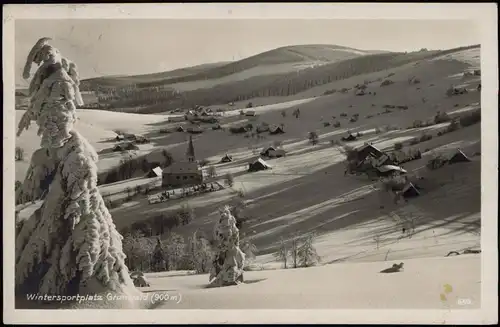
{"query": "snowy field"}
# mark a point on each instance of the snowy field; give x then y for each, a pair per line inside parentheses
(358, 229)
(338, 286)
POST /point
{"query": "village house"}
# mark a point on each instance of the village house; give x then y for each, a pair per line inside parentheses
(250, 113)
(272, 152)
(368, 150)
(226, 158)
(258, 165)
(183, 173)
(276, 130)
(177, 118)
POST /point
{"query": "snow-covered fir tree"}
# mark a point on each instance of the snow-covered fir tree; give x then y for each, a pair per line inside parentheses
(70, 245)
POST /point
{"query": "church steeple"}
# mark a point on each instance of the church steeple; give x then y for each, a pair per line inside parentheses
(190, 151)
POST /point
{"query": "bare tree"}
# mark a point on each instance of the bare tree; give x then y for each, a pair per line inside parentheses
(175, 248)
(199, 253)
(229, 180)
(139, 250)
(377, 240)
(129, 192)
(313, 138)
(282, 253)
(19, 153)
(212, 171)
(185, 214)
(294, 250)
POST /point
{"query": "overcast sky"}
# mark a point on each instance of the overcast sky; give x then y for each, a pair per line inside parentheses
(137, 46)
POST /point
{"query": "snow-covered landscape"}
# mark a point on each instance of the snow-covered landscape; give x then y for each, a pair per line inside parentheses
(306, 176)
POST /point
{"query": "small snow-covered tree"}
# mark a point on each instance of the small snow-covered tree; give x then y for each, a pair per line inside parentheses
(307, 253)
(249, 248)
(228, 260)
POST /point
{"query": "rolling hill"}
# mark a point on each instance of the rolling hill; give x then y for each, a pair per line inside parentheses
(123, 80)
(290, 56)
(269, 82)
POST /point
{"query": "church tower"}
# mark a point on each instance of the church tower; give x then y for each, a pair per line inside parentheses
(190, 151)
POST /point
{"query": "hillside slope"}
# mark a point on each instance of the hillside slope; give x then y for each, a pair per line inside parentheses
(124, 80)
(290, 54)
(285, 84)
(284, 55)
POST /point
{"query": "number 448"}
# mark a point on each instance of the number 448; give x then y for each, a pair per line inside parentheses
(464, 301)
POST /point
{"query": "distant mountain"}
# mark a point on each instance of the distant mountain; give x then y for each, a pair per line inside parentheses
(123, 80)
(310, 53)
(272, 85)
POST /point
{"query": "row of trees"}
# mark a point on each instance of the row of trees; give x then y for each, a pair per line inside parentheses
(162, 223)
(167, 222)
(150, 254)
(298, 252)
(128, 167)
(146, 253)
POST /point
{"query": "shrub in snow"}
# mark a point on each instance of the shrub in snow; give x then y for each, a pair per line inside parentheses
(229, 260)
(70, 245)
(386, 82)
(441, 117)
(313, 138)
(141, 281)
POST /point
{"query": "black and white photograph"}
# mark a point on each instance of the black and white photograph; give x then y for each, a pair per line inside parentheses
(229, 162)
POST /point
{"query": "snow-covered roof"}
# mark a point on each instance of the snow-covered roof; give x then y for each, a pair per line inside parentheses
(261, 161)
(157, 171)
(386, 168)
(275, 128)
(182, 167)
(269, 148)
